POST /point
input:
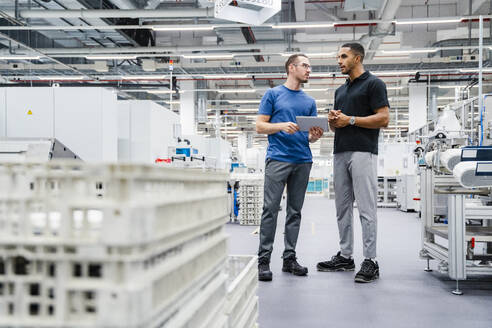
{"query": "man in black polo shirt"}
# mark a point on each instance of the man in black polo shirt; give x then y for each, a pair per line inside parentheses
(361, 108)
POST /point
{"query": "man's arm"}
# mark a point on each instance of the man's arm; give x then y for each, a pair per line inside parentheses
(263, 126)
(378, 120)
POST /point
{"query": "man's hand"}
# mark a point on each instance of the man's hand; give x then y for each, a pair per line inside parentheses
(289, 127)
(341, 119)
(333, 115)
(315, 133)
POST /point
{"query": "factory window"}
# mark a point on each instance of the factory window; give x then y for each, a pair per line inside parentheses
(2, 266)
(11, 308)
(1, 288)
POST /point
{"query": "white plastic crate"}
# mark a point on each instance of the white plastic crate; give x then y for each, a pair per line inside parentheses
(70, 203)
(109, 246)
(241, 291)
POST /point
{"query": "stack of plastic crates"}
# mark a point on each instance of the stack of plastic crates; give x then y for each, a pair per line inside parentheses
(111, 246)
(241, 306)
(250, 198)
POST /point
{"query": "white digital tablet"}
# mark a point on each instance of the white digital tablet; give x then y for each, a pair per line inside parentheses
(307, 122)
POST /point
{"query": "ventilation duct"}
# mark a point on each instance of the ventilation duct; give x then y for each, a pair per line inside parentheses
(361, 5)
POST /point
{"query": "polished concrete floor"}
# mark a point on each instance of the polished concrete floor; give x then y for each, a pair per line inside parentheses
(405, 295)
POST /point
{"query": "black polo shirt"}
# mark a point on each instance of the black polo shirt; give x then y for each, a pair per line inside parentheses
(361, 97)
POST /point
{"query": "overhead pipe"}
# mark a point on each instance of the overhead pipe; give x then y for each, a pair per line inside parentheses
(389, 12)
(272, 47)
(119, 13)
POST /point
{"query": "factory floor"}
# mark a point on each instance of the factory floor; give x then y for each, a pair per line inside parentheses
(404, 296)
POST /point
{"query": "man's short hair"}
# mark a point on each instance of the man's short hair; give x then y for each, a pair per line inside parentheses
(292, 60)
(357, 49)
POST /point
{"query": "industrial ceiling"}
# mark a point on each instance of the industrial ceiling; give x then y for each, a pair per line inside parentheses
(129, 45)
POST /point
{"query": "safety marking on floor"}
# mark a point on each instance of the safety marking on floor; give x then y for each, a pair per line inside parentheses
(255, 232)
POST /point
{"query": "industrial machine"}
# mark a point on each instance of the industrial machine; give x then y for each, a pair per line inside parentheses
(456, 195)
(33, 150)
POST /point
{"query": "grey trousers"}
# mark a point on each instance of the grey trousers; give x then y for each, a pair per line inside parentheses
(355, 178)
(277, 175)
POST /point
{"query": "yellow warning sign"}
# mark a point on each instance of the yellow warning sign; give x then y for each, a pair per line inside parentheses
(29, 112)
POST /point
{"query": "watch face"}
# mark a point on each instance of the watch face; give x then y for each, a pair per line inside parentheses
(352, 120)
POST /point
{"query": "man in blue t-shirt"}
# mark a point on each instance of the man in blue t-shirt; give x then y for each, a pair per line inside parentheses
(288, 162)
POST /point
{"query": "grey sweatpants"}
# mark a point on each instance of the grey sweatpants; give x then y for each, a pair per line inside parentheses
(355, 178)
(277, 174)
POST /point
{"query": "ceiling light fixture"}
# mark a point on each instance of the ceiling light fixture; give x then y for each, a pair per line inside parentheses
(426, 21)
(19, 57)
(157, 92)
(409, 51)
(244, 101)
(394, 72)
(109, 57)
(183, 28)
(225, 76)
(61, 77)
(293, 26)
(144, 77)
(206, 56)
(236, 90)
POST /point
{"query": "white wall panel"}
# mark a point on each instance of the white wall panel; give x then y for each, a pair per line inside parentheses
(417, 107)
(145, 131)
(109, 125)
(123, 112)
(78, 123)
(18, 104)
(3, 113)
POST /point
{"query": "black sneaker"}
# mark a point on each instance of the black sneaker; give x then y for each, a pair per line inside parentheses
(291, 265)
(264, 273)
(337, 263)
(369, 271)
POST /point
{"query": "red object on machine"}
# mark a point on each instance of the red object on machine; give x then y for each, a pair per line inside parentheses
(163, 160)
(472, 243)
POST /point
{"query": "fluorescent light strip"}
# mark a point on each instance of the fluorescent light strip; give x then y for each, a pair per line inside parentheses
(61, 77)
(245, 101)
(183, 28)
(157, 92)
(225, 76)
(394, 88)
(318, 54)
(427, 21)
(205, 56)
(109, 57)
(19, 57)
(409, 51)
(144, 77)
(236, 91)
(293, 26)
(472, 70)
(394, 72)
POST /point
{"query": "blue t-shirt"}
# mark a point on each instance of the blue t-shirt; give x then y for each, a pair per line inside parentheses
(283, 105)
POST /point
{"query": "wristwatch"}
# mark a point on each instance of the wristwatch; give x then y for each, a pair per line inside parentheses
(352, 120)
